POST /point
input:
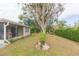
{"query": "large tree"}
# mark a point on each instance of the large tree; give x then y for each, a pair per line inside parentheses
(42, 13)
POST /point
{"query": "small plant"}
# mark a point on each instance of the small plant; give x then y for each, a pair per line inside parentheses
(42, 38)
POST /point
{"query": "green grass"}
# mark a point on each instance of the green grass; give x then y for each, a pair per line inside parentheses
(26, 47)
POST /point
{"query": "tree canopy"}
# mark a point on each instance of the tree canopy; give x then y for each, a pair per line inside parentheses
(42, 13)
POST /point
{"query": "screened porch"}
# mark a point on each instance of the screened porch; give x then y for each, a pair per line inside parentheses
(12, 30)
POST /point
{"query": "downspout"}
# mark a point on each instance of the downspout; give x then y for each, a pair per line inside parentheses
(5, 26)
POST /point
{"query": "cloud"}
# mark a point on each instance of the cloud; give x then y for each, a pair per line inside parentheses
(9, 11)
(70, 9)
(70, 14)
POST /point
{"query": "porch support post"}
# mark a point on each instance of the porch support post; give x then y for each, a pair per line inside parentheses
(16, 31)
(4, 32)
(5, 25)
(23, 31)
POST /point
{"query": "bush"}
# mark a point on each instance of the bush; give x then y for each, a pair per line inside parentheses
(42, 38)
(35, 30)
(49, 29)
(70, 33)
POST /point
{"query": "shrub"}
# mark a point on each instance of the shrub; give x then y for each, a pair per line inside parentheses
(71, 34)
(42, 38)
(35, 30)
(49, 29)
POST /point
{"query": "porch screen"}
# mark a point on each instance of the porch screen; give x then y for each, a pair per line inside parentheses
(1, 31)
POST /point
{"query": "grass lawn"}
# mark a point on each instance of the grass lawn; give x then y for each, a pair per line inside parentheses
(26, 46)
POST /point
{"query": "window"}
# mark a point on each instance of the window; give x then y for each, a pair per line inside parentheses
(27, 30)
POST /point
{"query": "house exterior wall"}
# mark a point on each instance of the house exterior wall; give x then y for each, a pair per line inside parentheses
(26, 31)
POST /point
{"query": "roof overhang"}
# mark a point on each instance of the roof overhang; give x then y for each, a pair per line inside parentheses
(12, 22)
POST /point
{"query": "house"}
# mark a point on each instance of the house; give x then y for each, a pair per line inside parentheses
(10, 29)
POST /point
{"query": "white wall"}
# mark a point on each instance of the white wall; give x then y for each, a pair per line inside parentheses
(26, 31)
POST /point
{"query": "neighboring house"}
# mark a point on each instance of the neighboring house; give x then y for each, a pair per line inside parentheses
(10, 29)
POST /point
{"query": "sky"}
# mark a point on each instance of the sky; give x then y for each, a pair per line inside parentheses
(70, 14)
(12, 10)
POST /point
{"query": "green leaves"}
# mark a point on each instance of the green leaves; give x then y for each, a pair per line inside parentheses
(71, 34)
(41, 13)
(42, 37)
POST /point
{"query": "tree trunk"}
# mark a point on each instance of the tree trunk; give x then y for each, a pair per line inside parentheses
(43, 29)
